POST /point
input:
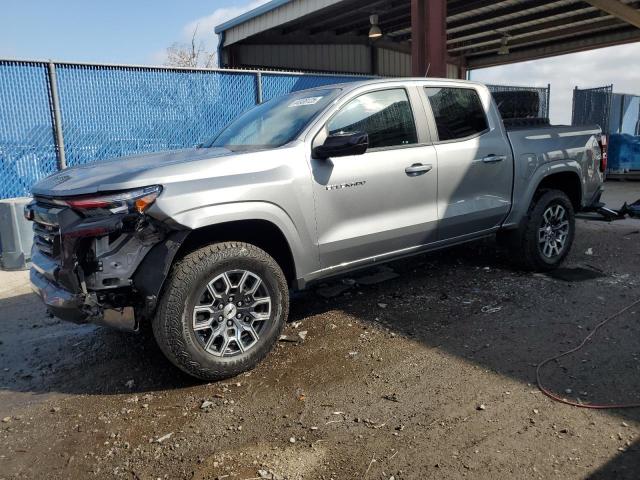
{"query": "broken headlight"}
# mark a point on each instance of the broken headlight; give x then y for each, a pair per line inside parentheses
(128, 201)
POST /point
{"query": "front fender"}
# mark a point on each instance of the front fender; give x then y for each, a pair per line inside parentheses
(305, 255)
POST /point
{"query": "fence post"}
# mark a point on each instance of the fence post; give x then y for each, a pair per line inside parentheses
(258, 87)
(57, 117)
(548, 100)
(573, 106)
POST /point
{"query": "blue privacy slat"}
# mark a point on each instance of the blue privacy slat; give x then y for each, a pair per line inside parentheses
(275, 85)
(27, 148)
(112, 112)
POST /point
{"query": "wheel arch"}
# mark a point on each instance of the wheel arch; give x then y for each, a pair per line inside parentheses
(259, 232)
(296, 233)
(563, 176)
(567, 181)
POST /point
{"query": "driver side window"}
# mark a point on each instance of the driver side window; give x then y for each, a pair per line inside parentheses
(385, 116)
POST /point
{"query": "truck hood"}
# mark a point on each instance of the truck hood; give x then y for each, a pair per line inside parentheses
(119, 173)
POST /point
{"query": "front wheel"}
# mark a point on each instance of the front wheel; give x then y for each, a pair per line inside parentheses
(546, 236)
(222, 310)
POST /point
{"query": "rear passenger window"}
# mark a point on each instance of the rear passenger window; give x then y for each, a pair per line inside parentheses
(385, 116)
(458, 112)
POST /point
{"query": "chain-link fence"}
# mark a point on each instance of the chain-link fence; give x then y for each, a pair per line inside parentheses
(277, 84)
(592, 106)
(27, 146)
(111, 111)
(516, 102)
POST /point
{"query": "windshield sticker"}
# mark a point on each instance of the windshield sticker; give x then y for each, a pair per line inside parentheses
(305, 101)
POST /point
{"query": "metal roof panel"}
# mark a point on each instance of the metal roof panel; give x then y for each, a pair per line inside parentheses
(256, 12)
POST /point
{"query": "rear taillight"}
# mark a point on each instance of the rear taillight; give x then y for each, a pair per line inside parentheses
(602, 142)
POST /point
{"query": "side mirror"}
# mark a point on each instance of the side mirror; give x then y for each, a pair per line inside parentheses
(342, 145)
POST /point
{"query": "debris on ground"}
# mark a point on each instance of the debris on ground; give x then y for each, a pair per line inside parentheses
(490, 309)
(287, 339)
(164, 438)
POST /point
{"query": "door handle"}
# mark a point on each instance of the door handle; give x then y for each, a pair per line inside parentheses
(418, 169)
(494, 158)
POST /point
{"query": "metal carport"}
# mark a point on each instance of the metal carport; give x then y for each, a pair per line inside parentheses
(443, 37)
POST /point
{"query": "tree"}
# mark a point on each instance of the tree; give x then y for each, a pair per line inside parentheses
(193, 54)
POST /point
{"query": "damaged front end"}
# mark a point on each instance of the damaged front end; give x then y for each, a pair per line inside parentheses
(88, 252)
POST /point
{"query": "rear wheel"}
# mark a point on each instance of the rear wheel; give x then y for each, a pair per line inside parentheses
(546, 236)
(222, 310)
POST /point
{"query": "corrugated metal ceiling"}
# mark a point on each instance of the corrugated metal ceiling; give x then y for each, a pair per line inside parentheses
(475, 28)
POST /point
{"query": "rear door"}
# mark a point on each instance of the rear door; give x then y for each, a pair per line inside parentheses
(475, 164)
(383, 201)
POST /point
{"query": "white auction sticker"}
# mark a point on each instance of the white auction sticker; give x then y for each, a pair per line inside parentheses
(305, 101)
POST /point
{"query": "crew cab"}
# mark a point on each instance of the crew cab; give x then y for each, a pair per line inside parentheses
(204, 245)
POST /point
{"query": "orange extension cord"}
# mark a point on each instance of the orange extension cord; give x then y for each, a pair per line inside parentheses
(556, 397)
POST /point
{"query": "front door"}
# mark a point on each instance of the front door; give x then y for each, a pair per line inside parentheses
(384, 200)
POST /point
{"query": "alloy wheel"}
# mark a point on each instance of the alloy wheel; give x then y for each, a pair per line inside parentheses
(554, 231)
(232, 311)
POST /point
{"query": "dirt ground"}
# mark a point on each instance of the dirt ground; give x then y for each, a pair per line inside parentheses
(430, 374)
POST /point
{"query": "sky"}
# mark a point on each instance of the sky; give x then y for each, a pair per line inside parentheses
(139, 31)
(109, 31)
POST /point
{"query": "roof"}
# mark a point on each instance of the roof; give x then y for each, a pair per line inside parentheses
(475, 28)
(421, 81)
(256, 12)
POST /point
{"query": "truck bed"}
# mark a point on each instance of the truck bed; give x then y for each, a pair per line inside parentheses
(539, 150)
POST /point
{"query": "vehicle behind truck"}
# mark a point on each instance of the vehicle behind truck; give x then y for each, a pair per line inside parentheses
(204, 245)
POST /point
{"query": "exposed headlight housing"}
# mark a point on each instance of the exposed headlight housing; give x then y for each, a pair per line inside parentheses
(128, 201)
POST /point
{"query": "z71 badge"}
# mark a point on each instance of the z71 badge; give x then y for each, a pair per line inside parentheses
(345, 185)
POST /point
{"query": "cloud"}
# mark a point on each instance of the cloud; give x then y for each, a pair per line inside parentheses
(595, 68)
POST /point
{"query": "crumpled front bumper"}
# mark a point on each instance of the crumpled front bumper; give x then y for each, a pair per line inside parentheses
(60, 302)
(70, 306)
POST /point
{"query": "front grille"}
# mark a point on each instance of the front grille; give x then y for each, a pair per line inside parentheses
(46, 228)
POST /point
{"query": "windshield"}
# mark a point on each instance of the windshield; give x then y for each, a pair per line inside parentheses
(274, 123)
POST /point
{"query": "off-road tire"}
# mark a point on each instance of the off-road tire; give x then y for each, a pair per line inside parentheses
(172, 322)
(523, 243)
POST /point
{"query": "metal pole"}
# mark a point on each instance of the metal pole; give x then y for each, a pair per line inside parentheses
(548, 100)
(259, 87)
(57, 117)
(573, 106)
(621, 114)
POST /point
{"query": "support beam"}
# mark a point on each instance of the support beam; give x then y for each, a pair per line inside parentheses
(618, 9)
(429, 38)
(580, 44)
(525, 38)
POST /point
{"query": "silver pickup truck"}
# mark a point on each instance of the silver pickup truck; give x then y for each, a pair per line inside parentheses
(205, 244)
